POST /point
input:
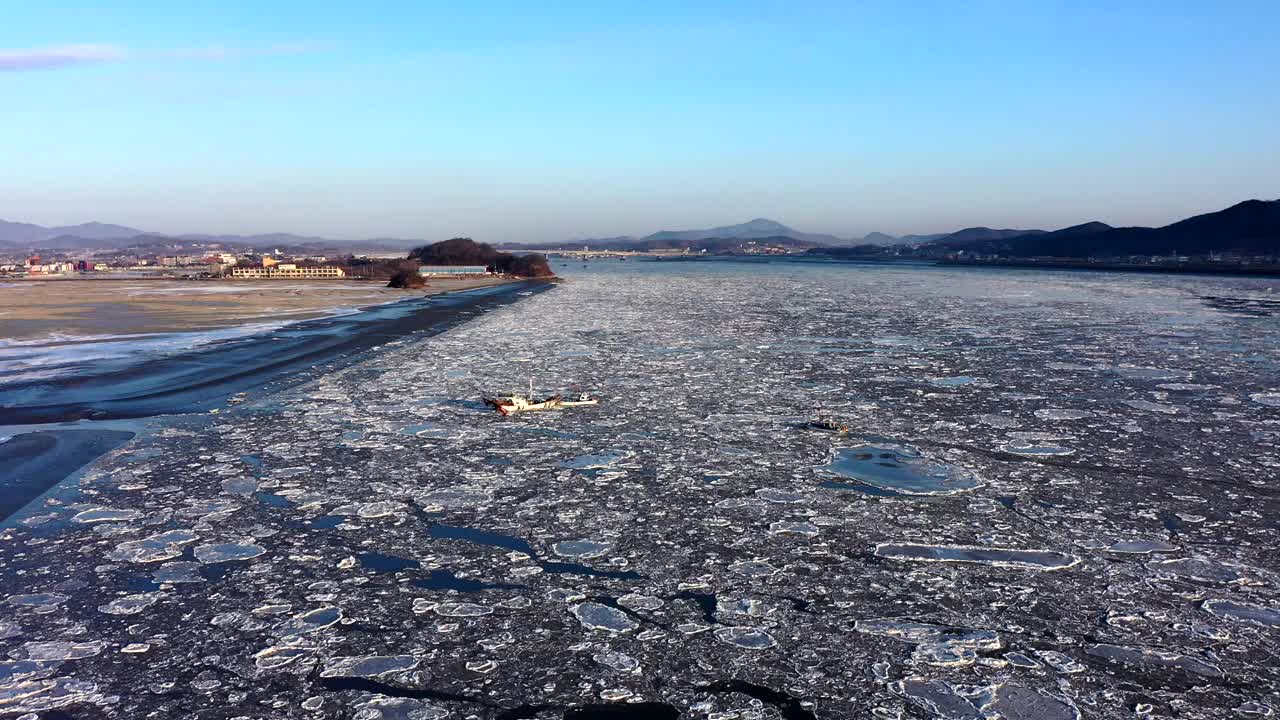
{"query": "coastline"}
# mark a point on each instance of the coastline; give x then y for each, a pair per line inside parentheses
(36, 310)
(206, 377)
(203, 380)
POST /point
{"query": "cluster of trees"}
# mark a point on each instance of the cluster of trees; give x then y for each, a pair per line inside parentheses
(457, 251)
(465, 251)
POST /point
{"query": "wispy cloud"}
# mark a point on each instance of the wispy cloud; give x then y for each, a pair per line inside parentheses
(56, 57)
(66, 55)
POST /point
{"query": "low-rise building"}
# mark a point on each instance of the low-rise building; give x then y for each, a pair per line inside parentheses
(430, 270)
(283, 272)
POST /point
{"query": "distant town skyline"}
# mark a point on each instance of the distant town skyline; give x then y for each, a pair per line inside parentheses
(516, 123)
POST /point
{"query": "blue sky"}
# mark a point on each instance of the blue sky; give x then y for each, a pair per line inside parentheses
(535, 121)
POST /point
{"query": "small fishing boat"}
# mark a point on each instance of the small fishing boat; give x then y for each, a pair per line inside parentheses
(515, 402)
(582, 400)
(825, 424)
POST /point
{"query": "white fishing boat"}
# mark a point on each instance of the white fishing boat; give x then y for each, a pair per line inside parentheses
(826, 424)
(582, 400)
(515, 402)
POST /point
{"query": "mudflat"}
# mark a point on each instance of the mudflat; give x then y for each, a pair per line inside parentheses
(74, 307)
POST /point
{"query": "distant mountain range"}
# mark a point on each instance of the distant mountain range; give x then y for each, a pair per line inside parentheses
(757, 229)
(20, 233)
(752, 229)
(1250, 227)
(96, 235)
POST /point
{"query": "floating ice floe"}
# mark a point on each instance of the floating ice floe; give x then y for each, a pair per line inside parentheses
(227, 552)
(131, 604)
(602, 617)
(754, 568)
(1141, 547)
(999, 557)
(308, 622)
(382, 508)
(1155, 659)
(37, 600)
(178, 572)
(1244, 612)
(1149, 373)
(161, 546)
(745, 637)
(208, 509)
(741, 606)
(381, 707)
(938, 645)
(781, 496)
(104, 514)
(1062, 414)
(455, 498)
(368, 665)
(462, 609)
(1148, 406)
(617, 661)
(58, 650)
(1270, 399)
(640, 602)
(945, 701)
(601, 460)
(281, 655)
(242, 486)
(900, 469)
(30, 699)
(1208, 571)
(580, 548)
(1034, 449)
(1060, 662)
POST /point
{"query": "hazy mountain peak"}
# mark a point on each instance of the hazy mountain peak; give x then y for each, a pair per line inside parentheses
(755, 228)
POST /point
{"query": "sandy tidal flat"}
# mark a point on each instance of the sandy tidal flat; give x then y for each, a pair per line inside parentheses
(35, 309)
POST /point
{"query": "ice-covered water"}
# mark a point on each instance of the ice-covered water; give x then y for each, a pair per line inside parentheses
(1077, 517)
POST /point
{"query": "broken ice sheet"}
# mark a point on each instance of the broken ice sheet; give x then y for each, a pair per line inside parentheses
(706, 397)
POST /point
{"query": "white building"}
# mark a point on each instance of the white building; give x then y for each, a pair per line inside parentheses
(430, 270)
(287, 272)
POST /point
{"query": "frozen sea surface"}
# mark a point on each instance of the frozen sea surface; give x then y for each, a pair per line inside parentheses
(1057, 499)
